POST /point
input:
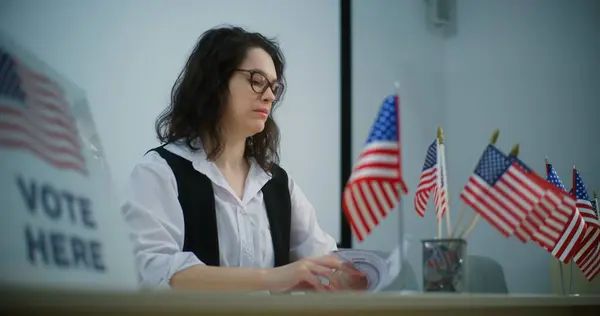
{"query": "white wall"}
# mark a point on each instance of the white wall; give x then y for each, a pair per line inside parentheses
(389, 43)
(126, 55)
(526, 67)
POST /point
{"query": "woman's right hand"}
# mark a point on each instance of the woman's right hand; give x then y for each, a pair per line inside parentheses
(303, 274)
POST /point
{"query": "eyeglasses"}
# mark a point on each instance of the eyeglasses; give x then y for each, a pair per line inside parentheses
(259, 83)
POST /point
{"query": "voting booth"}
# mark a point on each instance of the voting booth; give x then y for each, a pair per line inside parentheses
(65, 247)
(60, 225)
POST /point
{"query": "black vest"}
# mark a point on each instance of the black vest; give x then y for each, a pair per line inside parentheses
(197, 200)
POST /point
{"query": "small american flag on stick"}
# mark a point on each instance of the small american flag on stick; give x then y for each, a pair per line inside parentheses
(561, 228)
(35, 117)
(551, 223)
(432, 180)
(584, 204)
(542, 211)
(376, 181)
(502, 191)
(429, 178)
(588, 258)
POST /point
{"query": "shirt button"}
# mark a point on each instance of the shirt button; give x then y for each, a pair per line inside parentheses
(243, 210)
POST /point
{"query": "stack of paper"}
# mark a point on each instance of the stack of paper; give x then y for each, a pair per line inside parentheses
(380, 272)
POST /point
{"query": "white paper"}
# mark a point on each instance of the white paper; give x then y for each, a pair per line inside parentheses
(380, 272)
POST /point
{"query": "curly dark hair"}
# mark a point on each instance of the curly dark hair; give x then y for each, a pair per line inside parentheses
(201, 91)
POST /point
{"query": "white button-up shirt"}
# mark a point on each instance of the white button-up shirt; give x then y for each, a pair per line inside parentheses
(155, 217)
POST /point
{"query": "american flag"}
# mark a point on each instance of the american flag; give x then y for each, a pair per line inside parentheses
(562, 231)
(553, 223)
(583, 201)
(376, 181)
(596, 263)
(501, 191)
(429, 178)
(432, 179)
(559, 227)
(553, 178)
(588, 258)
(536, 217)
(34, 116)
(591, 265)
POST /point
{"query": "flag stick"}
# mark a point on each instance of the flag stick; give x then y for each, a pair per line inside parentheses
(571, 277)
(463, 210)
(573, 188)
(439, 227)
(597, 205)
(471, 227)
(562, 278)
(402, 185)
(596, 202)
(438, 181)
(560, 265)
(470, 221)
(444, 174)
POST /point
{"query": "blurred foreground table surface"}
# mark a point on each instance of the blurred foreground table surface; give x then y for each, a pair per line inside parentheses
(20, 301)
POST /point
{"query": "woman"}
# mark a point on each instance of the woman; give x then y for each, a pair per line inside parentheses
(211, 209)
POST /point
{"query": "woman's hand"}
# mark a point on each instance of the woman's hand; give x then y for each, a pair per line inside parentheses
(304, 274)
(349, 282)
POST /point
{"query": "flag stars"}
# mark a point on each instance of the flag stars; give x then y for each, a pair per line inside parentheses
(385, 128)
(580, 189)
(554, 179)
(431, 158)
(492, 165)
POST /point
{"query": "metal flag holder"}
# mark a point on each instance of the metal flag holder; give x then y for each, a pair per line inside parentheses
(562, 279)
(401, 235)
(571, 279)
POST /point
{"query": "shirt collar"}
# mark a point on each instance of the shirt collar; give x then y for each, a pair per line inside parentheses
(255, 180)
